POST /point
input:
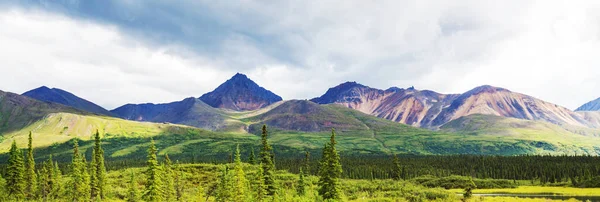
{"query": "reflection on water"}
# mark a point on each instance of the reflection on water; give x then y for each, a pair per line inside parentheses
(556, 197)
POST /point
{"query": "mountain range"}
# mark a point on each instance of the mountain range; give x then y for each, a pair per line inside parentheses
(391, 120)
(429, 109)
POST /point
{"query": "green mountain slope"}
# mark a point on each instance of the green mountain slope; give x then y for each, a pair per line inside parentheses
(549, 138)
(57, 128)
(295, 126)
(17, 111)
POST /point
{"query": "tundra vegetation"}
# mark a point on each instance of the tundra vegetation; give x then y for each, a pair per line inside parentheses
(280, 174)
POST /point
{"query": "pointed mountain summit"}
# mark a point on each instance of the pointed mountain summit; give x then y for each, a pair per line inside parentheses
(60, 96)
(240, 94)
(593, 105)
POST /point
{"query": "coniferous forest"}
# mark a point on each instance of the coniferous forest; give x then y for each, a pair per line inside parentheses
(308, 176)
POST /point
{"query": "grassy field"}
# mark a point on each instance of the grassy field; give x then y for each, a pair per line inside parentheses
(60, 127)
(564, 191)
(203, 178)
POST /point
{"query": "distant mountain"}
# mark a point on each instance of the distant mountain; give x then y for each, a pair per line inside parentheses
(593, 105)
(17, 111)
(409, 106)
(240, 94)
(190, 111)
(306, 116)
(429, 109)
(66, 98)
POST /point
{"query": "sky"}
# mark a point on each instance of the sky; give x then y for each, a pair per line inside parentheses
(114, 52)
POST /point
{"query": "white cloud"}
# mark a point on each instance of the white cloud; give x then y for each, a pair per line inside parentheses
(95, 61)
(547, 49)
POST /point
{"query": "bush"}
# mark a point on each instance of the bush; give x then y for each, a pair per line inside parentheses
(591, 183)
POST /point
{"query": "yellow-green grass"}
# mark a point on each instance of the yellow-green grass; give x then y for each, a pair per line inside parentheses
(61, 127)
(495, 128)
(515, 199)
(563, 191)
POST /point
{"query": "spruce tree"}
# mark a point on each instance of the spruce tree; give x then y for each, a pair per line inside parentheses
(15, 181)
(252, 158)
(132, 191)
(30, 175)
(178, 181)
(224, 192)
(46, 179)
(153, 190)
(98, 172)
(330, 171)
(56, 180)
(266, 159)
(169, 186)
(240, 188)
(80, 189)
(306, 164)
(301, 188)
(43, 189)
(259, 184)
(93, 177)
(397, 168)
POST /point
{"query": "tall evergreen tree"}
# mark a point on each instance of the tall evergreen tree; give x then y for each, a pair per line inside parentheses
(93, 177)
(397, 168)
(15, 181)
(178, 181)
(330, 171)
(46, 178)
(301, 188)
(169, 175)
(30, 175)
(306, 163)
(259, 184)
(132, 191)
(56, 180)
(240, 187)
(80, 189)
(268, 166)
(224, 192)
(98, 171)
(252, 157)
(153, 190)
(43, 189)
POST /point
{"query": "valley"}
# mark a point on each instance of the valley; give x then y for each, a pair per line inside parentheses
(423, 127)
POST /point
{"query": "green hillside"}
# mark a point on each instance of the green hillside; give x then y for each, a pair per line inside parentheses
(298, 125)
(61, 127)
(548, 138)
(17, 111)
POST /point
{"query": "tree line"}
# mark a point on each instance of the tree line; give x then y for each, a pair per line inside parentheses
(163, 182)
(24, 182)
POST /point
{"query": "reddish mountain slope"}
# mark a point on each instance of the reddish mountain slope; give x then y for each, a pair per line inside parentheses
(430, 109)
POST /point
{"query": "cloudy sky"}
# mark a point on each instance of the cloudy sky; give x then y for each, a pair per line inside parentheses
(114, 52)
